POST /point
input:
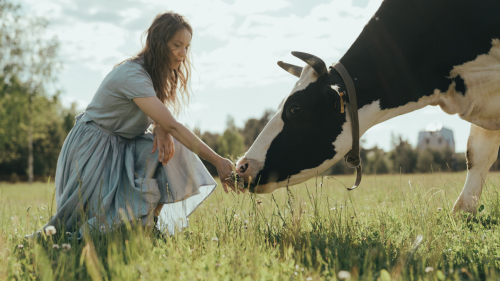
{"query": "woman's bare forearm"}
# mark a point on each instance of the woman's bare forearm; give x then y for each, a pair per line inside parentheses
(162, 116)
(193, 143)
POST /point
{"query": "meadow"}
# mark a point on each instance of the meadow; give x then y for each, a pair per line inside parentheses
(392, 227)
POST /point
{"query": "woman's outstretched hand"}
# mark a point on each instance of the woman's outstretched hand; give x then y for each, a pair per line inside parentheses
(225, 168)
(165, 144)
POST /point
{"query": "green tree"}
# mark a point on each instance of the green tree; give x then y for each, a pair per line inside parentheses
(28, 64)
(374, 161)
(403, 157)
(254, 126)
(433, 160)
(231, 143)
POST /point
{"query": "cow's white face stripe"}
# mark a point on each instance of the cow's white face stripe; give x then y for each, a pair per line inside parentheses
(258, 150)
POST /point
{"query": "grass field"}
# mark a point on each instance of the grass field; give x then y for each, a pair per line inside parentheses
(393, 227)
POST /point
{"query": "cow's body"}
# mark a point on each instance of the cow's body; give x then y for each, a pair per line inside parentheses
(410, 55)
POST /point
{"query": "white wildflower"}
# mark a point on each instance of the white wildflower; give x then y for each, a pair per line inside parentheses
(66, 247)
(440, 209)
(309, 278)
(50, 230)
(344, 275)
(429, 269)
(20, 246)
(55, 246)
(215, 239)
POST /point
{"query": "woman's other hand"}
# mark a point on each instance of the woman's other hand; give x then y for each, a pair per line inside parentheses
(165, 144)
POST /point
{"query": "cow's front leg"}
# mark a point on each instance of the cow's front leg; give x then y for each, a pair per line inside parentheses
(482, 151)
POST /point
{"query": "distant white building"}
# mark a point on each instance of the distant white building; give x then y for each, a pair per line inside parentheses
(436, 136)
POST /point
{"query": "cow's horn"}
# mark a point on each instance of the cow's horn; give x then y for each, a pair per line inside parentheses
(316, 63)
(293, 69)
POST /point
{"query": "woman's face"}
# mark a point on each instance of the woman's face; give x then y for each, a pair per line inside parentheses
(179, 45)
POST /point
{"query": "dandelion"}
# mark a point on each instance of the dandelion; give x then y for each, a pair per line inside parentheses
(20, 246)
(55, 246)
(66, 247)
(333, 209)
(223, 256)
(295, 273)
(245, 222)
(68, 233)
(190, 233)
(103, 228)
(50, 230)
(344, 275)
(429, 269)
(215, 239)
(440, 209)
(236, 216)
(309, 278)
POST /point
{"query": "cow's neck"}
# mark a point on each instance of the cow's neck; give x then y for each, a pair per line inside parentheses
(401, 62)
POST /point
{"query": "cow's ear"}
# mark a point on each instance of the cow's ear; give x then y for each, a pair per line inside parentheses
(292, 69)
(334, 98)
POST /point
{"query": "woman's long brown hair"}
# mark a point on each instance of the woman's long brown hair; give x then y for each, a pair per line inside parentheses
(171, 85)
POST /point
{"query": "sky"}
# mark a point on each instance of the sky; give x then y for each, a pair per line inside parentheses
(235, 47)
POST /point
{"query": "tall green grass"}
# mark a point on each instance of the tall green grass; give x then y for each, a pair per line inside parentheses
(393, 227)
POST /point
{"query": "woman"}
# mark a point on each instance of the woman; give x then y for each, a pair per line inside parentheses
(107, 170)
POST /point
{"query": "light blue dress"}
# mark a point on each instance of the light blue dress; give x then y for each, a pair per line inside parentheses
(106, 169)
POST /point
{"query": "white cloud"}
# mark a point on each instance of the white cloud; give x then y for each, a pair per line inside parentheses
(95, 35)
(250, 54)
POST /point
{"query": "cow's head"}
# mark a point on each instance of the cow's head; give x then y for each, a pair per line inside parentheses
(308, 134)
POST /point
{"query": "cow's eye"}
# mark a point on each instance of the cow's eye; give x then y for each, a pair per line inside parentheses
(295, 109)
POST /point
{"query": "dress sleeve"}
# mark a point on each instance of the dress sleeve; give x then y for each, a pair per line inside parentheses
(137, 85)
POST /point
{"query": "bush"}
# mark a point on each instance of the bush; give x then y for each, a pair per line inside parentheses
(14, 178)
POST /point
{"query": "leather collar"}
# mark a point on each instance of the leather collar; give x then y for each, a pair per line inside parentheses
(352, 158)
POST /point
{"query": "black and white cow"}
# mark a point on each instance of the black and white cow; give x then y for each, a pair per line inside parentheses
(411, 54)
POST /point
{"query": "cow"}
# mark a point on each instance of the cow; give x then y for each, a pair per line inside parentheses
(409, 55)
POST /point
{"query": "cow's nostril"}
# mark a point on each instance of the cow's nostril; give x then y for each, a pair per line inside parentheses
(243, 168)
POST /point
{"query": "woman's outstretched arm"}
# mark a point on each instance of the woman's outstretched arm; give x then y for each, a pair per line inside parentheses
(157, 111)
